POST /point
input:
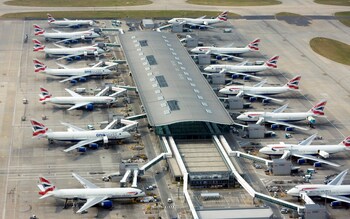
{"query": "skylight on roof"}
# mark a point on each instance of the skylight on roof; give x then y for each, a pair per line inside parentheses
(143, 43)
(151, 60)
(173, 105)
(161, 81)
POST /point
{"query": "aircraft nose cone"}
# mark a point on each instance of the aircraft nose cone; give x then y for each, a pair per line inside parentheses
(208, 68)
(240, 117)
(263, 150)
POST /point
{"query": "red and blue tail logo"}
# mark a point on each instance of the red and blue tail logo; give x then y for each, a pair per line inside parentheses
(254, 45)
(45, 186)
(223, 16)
(38, 46)
(346, 141)
(294, 83)
(50, 19)
(272, 63)
(319, 108)
(39, 66)
(38, 30)
(38, 128)
(44, 94)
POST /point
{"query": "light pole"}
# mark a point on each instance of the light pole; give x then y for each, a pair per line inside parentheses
(178, 190)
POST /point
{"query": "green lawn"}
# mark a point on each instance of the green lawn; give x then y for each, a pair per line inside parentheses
(234, 2)
(113, 14)
(331, 49)
(286, 14)
(333, 2)
(343, 17)
(78, 3)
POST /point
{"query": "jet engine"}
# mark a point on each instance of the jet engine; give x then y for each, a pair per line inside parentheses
(90, 107)
(252, 99)
(82, 79)
(301, 161)
(218, 57)
(81, 149)
(289, 129)
(335, 203)
(73, 81)
(274, 126)
(266, 101)
(317, 164)
(106, 204)
(93, 146)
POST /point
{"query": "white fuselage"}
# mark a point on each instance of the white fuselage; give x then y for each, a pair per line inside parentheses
(279, 149)
(220, 50)
(76, 100)
(254, 116)
(73, 35)
(71, 23)
(233, 90)
(110, 134)
(236, 68)
(66, 72)
(320, 190)
(111, 193)
(80, 51)
(199, 21)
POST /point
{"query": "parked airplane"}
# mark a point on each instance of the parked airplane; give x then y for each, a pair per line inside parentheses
(243, 68)
(258, 91)
(84, 137)
(73, 74)
(333, 190)
(278, 117)
(79, 101)
(67, 37)
(304, 150)
(68, 23)
(91, 193)
(201, 22)
(227, 52)
(69, 53)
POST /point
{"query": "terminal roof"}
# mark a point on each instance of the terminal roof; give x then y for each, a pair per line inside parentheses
(171, 87)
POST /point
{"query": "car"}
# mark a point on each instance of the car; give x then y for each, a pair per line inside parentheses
(284, 211)
(149, 188)
(170, 200)
(90, 127)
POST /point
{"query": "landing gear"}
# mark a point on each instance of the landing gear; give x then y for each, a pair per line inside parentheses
(65, 204)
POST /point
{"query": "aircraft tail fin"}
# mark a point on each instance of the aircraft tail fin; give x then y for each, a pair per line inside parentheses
(254, 45)
(272, 62)
(39, 66)
(293, 84)
(44, 95)
(45, 187)
(38, 30)
(223, 16)
(318, 109)
(37, 45)
(346, 142)
(50, 19)
(39, 129)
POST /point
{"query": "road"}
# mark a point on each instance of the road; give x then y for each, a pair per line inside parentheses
(303, 7)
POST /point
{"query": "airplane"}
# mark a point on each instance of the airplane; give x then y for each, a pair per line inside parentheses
(68, 23)
(258, 91)
(333, 190)
(91, 193)
(73, 74)
(201, 22)
(79, 101)
(84, 137)
(69, 53)
(227, 52)
(305, 151)
(278, 117)
(66, 37)
(243, 68)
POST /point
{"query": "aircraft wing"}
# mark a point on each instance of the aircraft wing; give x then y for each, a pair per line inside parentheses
(83, 143)
(62, 66)
(78, 105)
(242, 63)
(201, 17)
(91, 202)
(243, 74)
(73, 128)
(159, 29)
(57, 31)
(338, 180)
(309, 157)
(261, 83)
(69, 56)
(117, 91)
(263, 97)
(72, 38)
(199, 25)
(228, 56)
(337, 198)
(281, 109)
(286, 124)
(309, 140)
(72, 93)
(86, 183)
(74, 77)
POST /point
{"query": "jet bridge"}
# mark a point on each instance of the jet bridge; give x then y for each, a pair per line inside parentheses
(125, 178)
(252, 157)
(134, 180)
(152, 162)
